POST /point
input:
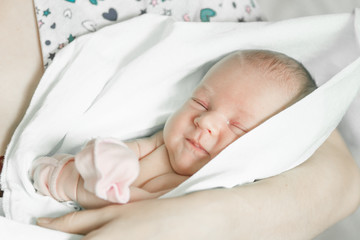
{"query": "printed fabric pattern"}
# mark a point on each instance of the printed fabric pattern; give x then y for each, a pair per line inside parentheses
(61, 21)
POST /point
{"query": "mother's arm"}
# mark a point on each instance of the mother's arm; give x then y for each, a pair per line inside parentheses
(297, 204)
(20, 64)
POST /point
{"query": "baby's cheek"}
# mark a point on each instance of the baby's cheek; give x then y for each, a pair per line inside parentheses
(224, 143)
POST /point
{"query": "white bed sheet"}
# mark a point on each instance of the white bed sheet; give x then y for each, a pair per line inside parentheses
(12, 230)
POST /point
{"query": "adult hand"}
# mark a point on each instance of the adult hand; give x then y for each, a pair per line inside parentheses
(150, 219)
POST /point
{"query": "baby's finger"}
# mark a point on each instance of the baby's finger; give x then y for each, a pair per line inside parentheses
(77, 222)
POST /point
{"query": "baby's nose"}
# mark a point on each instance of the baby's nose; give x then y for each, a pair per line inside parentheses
(211, 122)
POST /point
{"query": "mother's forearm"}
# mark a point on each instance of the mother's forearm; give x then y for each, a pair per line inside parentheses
(300, 203)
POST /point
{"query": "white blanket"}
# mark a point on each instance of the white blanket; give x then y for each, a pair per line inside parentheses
(124, 80)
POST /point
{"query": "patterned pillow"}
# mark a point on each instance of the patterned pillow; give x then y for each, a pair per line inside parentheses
(61, 21)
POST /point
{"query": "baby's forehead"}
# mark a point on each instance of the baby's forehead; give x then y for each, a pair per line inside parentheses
(232, 69)
(248, 63)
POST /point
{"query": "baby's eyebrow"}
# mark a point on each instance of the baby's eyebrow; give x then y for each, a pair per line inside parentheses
(207, 89)
(203, 91)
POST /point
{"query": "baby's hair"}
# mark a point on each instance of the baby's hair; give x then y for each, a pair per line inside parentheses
(286, 70)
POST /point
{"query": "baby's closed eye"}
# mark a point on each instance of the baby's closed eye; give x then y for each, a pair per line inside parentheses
(200, 103)
(237, 128)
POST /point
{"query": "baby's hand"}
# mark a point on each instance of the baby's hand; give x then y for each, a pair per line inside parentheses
(108, 168)
(55, 176)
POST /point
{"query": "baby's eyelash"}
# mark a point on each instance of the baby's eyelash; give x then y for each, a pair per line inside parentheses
(239, 127)
(200, 103)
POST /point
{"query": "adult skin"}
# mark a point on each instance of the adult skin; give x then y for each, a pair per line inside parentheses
(297, 204)
(20, 64)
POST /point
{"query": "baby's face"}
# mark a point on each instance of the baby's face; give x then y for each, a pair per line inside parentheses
(229, 102)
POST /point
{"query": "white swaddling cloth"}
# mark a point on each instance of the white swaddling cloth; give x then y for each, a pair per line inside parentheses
(125, 80)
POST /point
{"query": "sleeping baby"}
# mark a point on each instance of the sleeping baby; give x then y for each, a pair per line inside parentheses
(237, 94)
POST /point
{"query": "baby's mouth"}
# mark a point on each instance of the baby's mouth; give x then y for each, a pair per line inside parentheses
(197, 145)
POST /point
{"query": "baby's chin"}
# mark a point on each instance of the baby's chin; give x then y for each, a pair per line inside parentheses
(183, 171)
(187, 169)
